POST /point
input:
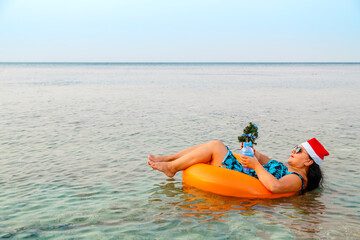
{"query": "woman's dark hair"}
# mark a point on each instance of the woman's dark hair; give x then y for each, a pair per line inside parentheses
(314, 176)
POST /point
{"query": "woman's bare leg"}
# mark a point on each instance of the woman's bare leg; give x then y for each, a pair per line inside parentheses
(172, 157)
(212, 152)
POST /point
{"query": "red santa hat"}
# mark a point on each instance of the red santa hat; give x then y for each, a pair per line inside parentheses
(316, 151)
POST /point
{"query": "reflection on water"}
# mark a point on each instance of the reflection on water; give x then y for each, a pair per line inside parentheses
(298, 213)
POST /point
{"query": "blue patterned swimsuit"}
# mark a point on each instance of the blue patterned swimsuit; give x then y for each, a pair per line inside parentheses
(275, 168)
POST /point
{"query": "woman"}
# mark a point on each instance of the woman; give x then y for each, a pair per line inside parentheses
(301, 173)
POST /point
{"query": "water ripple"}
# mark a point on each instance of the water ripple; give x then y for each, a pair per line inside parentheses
(74, 145)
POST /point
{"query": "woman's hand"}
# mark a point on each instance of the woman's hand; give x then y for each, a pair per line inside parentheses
(249, 162)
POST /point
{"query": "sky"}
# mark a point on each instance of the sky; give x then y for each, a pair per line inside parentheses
(179, 31)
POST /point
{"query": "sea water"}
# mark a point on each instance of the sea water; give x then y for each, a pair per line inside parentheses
(74, 140)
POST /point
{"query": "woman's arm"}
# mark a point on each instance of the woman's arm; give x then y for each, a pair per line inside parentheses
(288, 183)
(261, 158)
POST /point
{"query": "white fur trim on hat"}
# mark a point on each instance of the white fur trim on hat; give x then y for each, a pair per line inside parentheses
(312, 153)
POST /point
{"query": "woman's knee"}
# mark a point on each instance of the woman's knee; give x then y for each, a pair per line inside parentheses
(216, 144)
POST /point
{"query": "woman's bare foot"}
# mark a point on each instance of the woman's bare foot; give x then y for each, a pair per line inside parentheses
(158, 158)
(163, 167)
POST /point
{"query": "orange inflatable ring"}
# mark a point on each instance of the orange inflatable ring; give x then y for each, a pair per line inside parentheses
(227, 182)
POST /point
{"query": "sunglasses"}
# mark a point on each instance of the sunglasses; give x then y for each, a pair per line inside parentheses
(297, 149)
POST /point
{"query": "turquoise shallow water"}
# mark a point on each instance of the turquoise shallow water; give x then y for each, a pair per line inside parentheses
(74, 139)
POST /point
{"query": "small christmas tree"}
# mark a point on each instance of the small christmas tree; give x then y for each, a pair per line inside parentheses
(250, 134)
